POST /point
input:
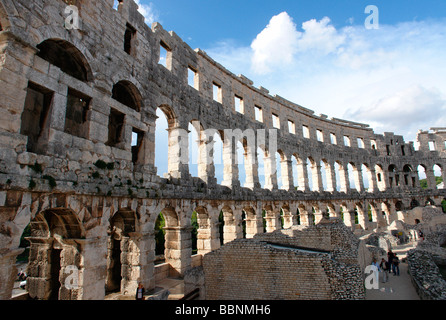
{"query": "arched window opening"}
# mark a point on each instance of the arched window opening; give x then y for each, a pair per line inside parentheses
(194, 232)
(324, 174)
(194, 129)
(365, 176)
(218, 157)
(279, 173)
(67, 57)
(160, 239)
(351, 176)
(261, 166)
(439, 183)
(127, 94)
(422, 176)
(163, 152)
(240, 158)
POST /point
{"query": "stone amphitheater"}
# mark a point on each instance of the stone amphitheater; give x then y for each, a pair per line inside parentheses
(77, 167)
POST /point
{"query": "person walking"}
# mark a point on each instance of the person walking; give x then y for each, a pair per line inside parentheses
(390, 256)
(396, 265)
(384, 265)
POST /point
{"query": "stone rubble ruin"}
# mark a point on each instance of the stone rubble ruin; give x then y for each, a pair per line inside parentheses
(73, 98)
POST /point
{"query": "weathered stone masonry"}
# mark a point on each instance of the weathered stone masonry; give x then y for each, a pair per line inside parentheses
(71, 100)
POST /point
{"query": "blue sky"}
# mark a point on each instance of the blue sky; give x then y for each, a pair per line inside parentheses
(319, 54)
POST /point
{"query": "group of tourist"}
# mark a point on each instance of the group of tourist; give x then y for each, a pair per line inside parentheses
(389, 266)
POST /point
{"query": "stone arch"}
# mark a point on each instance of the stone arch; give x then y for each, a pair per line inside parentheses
(272, 218)
(380, 177)
(195, 130)
(67, 57)
(302, 215)
(168, 133)
(229, 225)
(125, 92)
(122, 273)
(206, 234)
(251, 222)
(438, 174)
(261, 155)
(414, 203)
(54, 247)
(312, 170)
(281, 170)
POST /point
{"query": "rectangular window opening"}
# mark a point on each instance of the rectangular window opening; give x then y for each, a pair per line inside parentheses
(291, 127)
(34, 117)
(258, 113)
(238, 102)
(276, 121)
(319, 135)
(347, 141)
(77, 114)
(432, 146)
(192, 77)
(115, 128)
(217, 93)
(137, 140)
(165, 55)
(333, 138)
(306, 132)
(129, 37)
(360, 143)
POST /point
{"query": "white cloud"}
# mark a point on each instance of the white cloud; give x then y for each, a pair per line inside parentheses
(276, 45)
(148, 11)
(320, 36)
(412, 107)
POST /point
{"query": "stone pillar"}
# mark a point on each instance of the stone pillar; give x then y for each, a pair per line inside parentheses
(94, 268)
(8, 272)
(251, 169)
(137, 257)
(317, 177)
(252, 226)
(430, 176)
(373, 183)
(330, 175)
(359, 183)
(344, 179)
(206, 168)
(318, 214)
(270, 172)
(287, 219)
(207, 236)
(178, 249)
(272, 220)
(302, 173)
(178, 153)
(287, 174)
(303, 217)
(230, 174)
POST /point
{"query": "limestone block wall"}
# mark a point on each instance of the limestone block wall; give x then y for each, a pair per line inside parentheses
(252, 270)
(305, 263)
